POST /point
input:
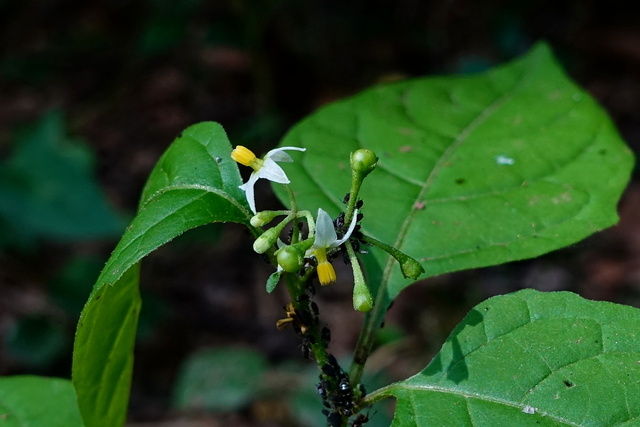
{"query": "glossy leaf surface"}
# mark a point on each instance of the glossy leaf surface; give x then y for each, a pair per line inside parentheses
(474, 170)
(531, 358)
(194, 183)
(28, 401)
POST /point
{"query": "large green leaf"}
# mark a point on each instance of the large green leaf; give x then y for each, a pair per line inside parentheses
(531, 358)
(474, 170)
(194, 183)
(28, 401)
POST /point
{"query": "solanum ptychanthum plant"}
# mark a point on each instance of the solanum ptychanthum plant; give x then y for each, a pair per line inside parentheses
(299, 256)
(440, 191)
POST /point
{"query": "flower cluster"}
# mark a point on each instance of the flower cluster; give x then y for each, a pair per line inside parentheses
(308, 250)
(322, 233)
(297, 256)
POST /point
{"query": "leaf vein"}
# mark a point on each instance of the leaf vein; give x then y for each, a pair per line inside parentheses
(482, 397)
(461, 138)
(106, 372)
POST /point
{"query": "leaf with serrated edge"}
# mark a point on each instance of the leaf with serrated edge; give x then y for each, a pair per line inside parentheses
(194, 183)
(474, 170)
(531, 358)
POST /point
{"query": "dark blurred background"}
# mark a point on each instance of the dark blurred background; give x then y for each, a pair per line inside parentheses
(92, 93)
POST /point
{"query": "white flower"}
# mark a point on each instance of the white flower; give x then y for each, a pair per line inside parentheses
(266, 168)
(325, 239)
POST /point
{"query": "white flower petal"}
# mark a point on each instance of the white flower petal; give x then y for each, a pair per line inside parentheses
(325, 232)
(271, 171)
(352, 226)
(279, 155)
(268, 170)
(248, 190)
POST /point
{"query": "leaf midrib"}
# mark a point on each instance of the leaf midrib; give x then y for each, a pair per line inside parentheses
(104, 374)
(462, 137)
(485, 398)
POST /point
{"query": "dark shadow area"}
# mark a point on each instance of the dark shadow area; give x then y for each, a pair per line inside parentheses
(456, 369)
(107, 85)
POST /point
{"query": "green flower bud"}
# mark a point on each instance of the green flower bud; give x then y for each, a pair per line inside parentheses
(411, 268)
(362, 299)
(265, 217)
(266, 240)
(363, 161)
(290, 259)
(262, 218)
(258, 220)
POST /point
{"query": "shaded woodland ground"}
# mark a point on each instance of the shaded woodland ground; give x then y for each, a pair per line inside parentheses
(127, 77)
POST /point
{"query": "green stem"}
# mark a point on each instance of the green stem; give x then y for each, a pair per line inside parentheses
(367, 337)
(356, 183)
(292, 198)
(388, 249)
(295, 236)
(377, 395)
(296, 286)
(409, 267)
(310, 222)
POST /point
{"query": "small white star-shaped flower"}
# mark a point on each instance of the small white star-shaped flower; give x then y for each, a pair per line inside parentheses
(265, 167)
(326, 238)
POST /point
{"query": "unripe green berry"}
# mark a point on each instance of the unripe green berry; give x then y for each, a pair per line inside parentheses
(290, 259)
(363, 161)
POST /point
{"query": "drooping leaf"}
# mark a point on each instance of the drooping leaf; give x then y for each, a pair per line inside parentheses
(48, 189)
(29, 401)
(474, 170)
(103, 350)
(531, 358)
(219, 379)
(194, 183)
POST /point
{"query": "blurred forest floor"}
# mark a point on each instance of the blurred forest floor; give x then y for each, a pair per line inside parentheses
(92, 93)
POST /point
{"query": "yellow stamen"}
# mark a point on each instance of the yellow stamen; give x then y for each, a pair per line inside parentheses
(326, 273)
(244, 156)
